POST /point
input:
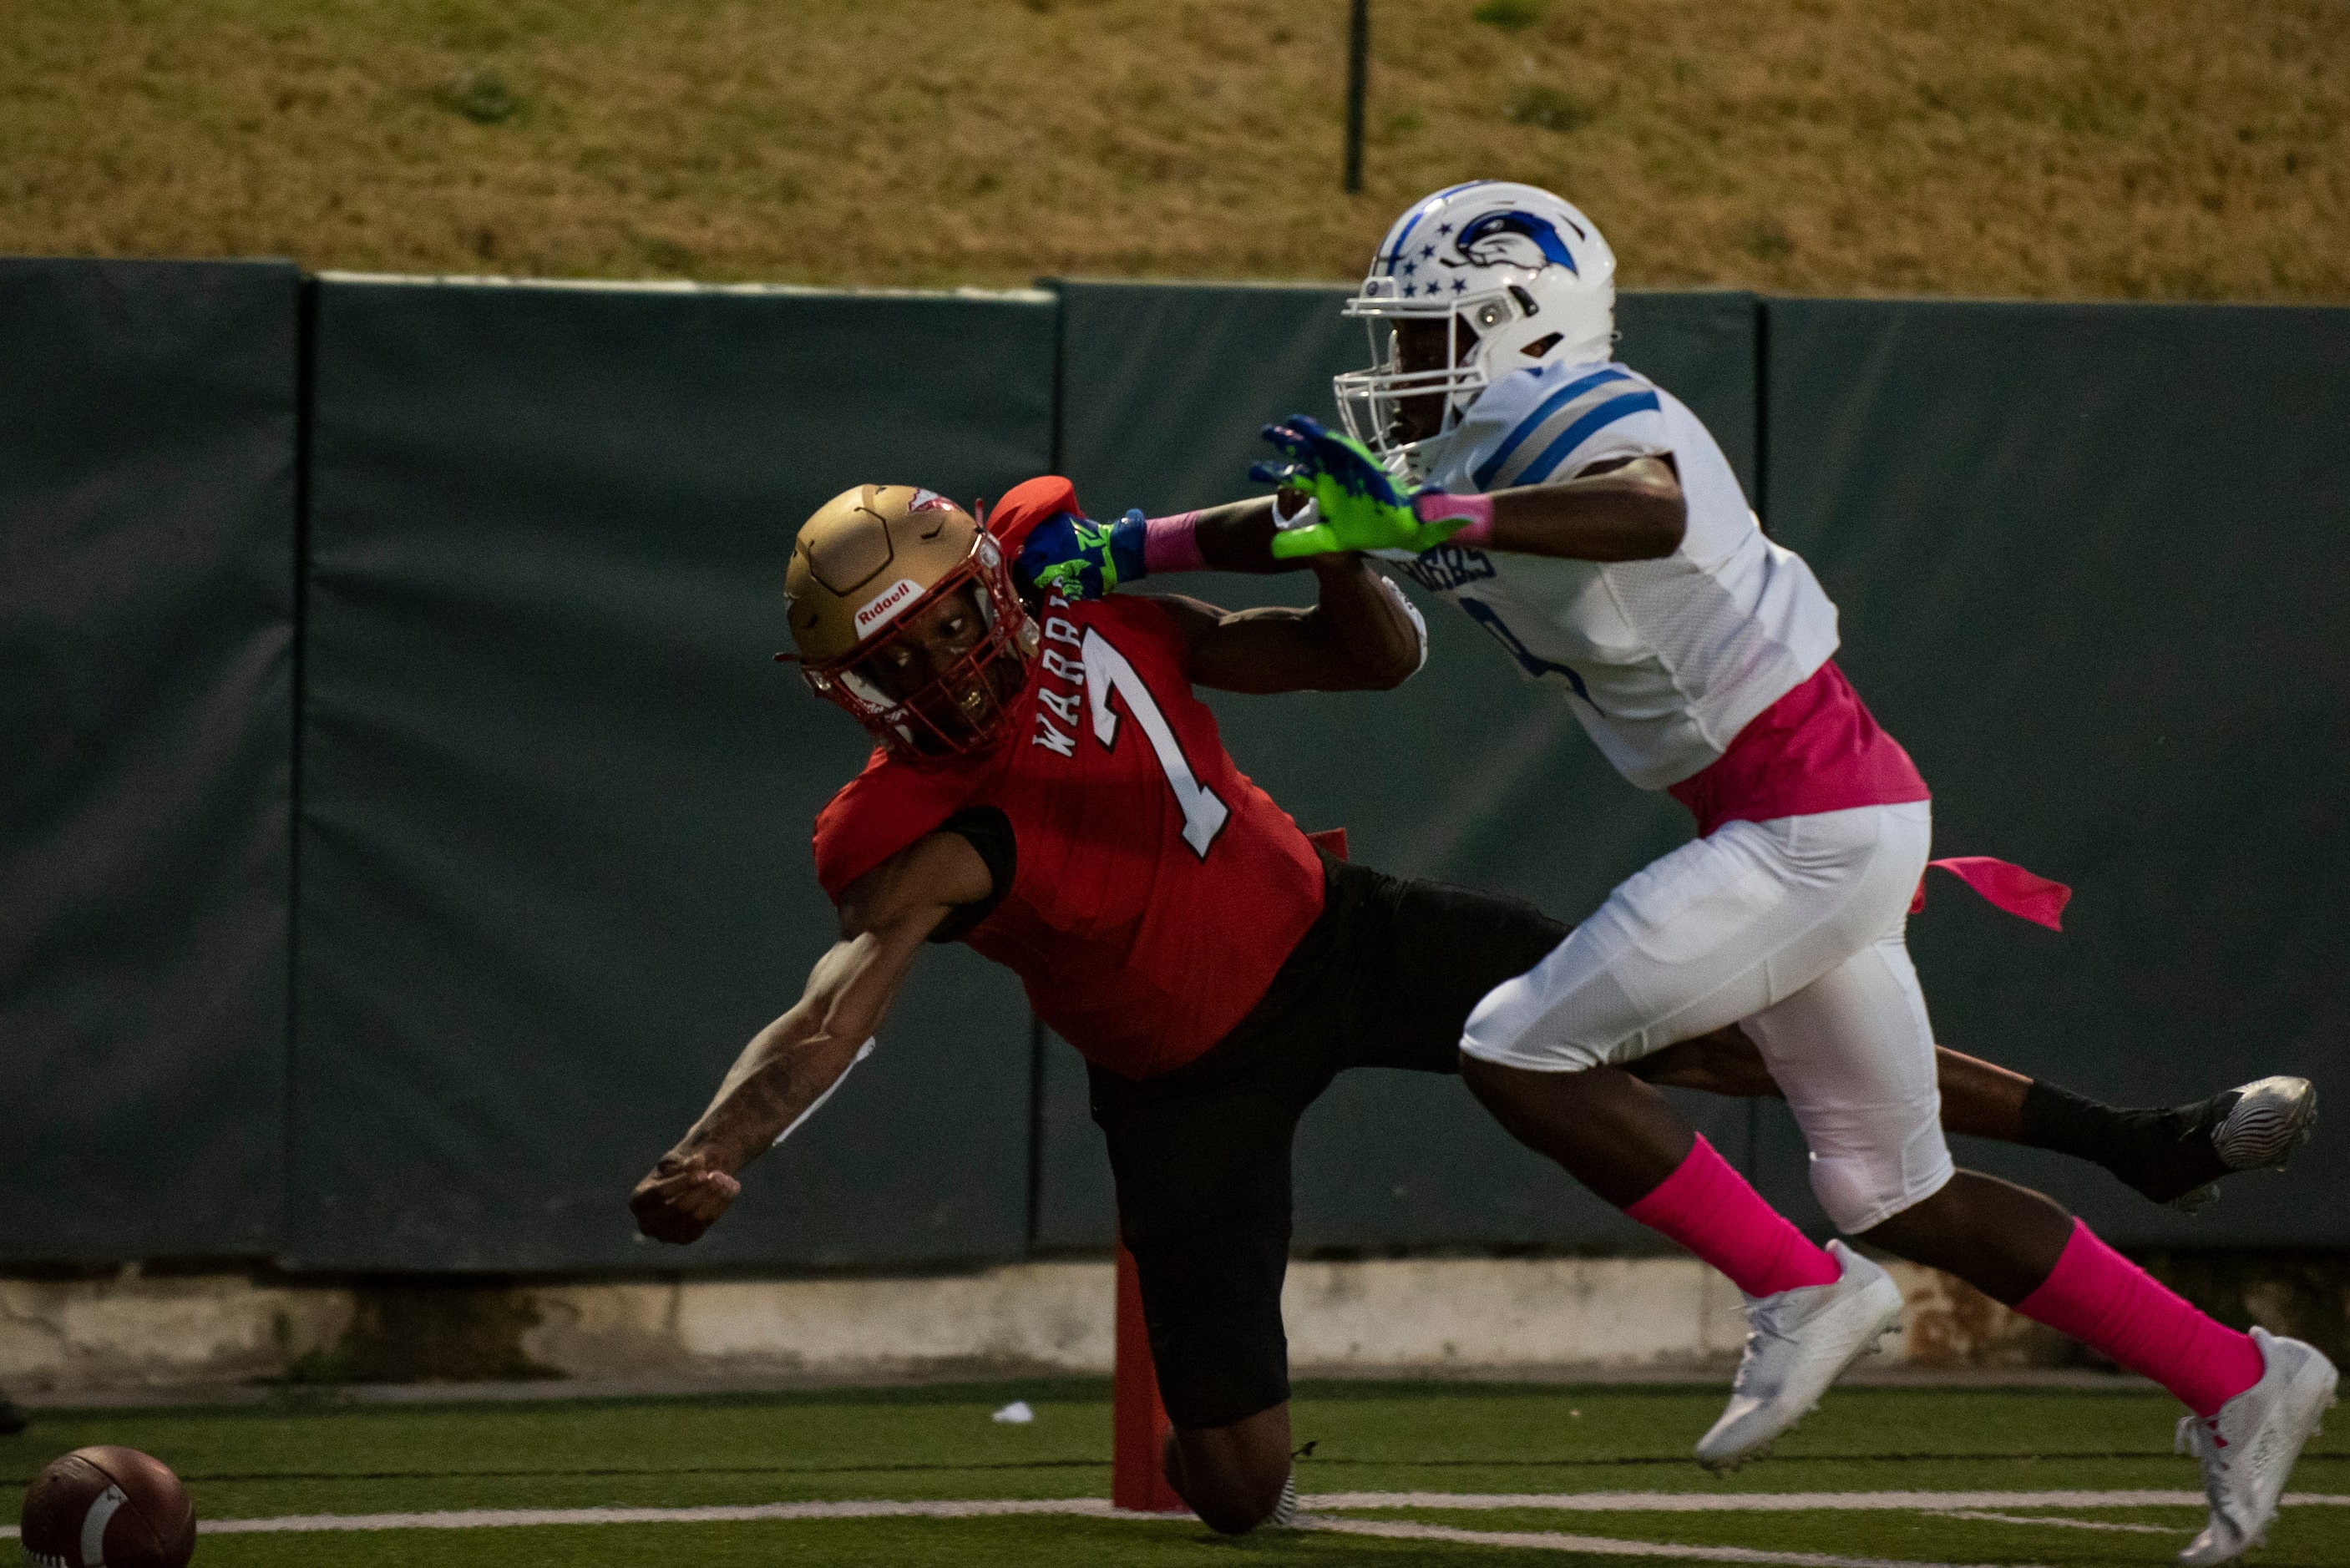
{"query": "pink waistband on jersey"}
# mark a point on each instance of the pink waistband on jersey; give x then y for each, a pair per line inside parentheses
(1816, 749)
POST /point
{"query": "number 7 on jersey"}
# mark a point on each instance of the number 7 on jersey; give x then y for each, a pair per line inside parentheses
(1107, 671)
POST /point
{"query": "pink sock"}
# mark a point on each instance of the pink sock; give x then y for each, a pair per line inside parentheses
(1708, 1208)
(2110, 1304)
(1173, 544)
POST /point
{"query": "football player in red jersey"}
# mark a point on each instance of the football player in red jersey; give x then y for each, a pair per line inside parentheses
(1049, 790)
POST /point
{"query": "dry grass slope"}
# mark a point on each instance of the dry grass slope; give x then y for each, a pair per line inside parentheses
(2138, 148)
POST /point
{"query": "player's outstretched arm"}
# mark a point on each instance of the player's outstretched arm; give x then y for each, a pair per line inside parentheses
(1362, 635)
(1238, 538)
(1075, 555)
(1621, 509)
(791, 1065)
(1627, 510)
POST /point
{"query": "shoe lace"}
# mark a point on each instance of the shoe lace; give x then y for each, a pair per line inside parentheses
(2200, 1436)
(1763, 1324)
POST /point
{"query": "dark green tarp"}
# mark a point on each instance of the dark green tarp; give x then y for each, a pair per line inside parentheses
(556, 798)
(147, 507)
(2089, 560)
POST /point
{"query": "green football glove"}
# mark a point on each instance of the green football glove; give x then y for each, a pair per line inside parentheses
(1359, 506)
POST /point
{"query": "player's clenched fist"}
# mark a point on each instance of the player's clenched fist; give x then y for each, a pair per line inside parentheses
(681, 1198)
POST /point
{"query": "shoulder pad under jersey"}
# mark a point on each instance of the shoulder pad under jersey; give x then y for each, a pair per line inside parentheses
(1549, 421)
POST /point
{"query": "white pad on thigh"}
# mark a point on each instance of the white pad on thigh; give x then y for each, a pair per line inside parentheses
(1853, 1053)
(1718, 929)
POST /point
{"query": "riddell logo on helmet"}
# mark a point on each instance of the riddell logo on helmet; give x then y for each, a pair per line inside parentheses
(887, 604)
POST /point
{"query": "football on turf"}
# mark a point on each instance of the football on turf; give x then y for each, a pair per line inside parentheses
(108, 1508)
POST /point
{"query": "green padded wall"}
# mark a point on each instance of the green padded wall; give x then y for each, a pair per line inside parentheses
(147, 520)
(1465, 775)
(2089, 560)
(557, 797)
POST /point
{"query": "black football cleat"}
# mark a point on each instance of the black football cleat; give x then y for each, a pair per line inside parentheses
(13, 1419)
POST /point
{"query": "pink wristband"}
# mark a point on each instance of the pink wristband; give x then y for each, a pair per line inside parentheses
(1434, 506)
(1173, 544)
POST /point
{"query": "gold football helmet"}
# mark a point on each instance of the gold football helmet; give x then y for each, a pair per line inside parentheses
(904, 613)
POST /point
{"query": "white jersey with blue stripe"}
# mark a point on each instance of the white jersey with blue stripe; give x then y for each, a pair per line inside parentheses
(1664, 661)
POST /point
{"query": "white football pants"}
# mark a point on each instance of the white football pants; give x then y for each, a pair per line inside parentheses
(1793, 927)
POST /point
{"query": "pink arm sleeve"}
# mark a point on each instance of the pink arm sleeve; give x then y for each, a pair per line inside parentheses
(1173, 544)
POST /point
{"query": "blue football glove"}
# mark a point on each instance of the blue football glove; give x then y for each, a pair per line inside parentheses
(1359, 506)
(1079, 558)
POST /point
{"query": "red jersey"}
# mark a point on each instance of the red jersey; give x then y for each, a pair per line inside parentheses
(1155, 890)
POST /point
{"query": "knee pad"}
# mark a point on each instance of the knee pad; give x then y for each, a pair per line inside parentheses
(1863, 1188)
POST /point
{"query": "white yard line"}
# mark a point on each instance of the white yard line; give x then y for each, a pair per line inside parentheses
(1605, 1546)
(506, 1517)
(720, 1514)
(2053, 1518)
(1945, 1502)
(1776, 1502)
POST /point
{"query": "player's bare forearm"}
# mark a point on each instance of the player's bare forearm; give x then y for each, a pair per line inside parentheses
(785, 1068)
(1631, 511)
(1370, 641)
(792, 1064)
(1238, 538)
(1357, 637)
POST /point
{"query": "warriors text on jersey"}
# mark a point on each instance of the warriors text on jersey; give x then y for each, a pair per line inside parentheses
(1155, 890)
(1664, 661)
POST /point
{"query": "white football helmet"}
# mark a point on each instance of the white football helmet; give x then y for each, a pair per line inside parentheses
(1518, 276)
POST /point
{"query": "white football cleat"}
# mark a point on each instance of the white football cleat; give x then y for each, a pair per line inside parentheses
(1797, 1343)
(2248, 1449)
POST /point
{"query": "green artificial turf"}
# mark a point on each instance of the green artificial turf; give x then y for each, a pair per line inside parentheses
(311, 1456)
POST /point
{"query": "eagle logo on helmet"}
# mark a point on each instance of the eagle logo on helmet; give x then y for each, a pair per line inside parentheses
(1514, 239)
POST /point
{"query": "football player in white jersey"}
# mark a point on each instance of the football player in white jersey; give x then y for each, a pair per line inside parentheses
(1586, 519)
